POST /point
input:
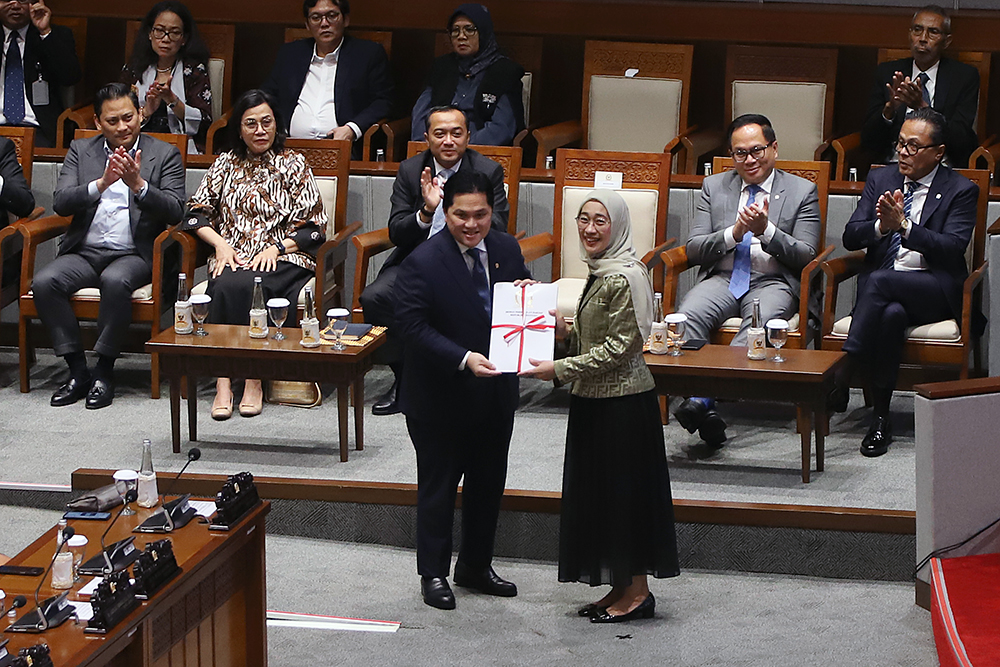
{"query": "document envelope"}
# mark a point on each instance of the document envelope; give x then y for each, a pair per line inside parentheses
(522, 325)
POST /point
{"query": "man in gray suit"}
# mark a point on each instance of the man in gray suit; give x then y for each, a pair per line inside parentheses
(122, 189)
(754, 231)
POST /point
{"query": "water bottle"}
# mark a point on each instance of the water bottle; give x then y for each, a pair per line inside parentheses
(310, 323)
(146, 486)
(755, 334)
(550, 162)
(708, 168)
(183, 323)
(258, 313)
(852, 174)
(380, 155)
(658, 332)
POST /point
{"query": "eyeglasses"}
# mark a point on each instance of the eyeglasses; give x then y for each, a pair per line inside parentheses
(911, 147)
(173, 35)
(267, 122)
(932, 32)
(757, 152)
(467, 30)
(331, 17)
(599, 221)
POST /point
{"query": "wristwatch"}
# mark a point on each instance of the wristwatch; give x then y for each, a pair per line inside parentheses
(904, 227)
(280, 246)
(426, 213)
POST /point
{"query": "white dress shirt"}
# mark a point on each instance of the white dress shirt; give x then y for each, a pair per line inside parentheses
(906, 259)
(112, 225)
(29, 113)
(760, 260)
(315, 114)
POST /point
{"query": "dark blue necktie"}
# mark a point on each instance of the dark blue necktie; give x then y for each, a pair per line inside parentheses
(480, 280)
(739, 281)
(896, 241)
(13, 83)
(923, 79)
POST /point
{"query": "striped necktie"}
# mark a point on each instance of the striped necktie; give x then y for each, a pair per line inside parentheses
(896, 241)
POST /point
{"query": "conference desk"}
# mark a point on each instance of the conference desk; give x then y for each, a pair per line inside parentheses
(211, 615)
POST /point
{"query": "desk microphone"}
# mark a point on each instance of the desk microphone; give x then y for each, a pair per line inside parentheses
(130, 497)
(193, 455)
(18, 602)
(43, 621)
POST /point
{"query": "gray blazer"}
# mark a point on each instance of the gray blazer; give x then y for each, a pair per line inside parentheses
(163, 204)
(793, 207)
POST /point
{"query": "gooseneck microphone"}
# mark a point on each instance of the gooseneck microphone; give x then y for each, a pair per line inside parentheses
(193, 455)
(43, 621)
(130, 497)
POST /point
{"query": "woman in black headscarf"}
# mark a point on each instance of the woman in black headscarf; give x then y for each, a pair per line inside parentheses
(476, 78)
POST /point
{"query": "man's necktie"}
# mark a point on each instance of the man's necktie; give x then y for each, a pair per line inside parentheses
(480, 280)
(923, 79)
(438, 222)
(739, 281)
(896, 241)
(13, 83)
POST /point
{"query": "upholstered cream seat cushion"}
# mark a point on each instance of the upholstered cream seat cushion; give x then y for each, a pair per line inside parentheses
(216, 77)
(526, 97)
(633, 113)
(732, 325)
(142, 294)
(946, 331)
(795, 109)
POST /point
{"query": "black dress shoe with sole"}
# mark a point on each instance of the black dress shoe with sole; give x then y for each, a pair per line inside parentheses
(100, 395)
(713, 429)
(437, 593)
(876, 442)
(690, 414)
(646, 609)
(386, 404)
(70, 392)
(485, 581)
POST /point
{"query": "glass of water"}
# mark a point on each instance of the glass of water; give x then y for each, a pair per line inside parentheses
(199, 310)
(278, 308)
(676, 323)
(777, 336)
(338, 318)
(125, 481)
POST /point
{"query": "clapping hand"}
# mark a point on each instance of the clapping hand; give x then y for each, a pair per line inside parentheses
(128, 168)
(890, 211)
(754, 217)
(911, 93)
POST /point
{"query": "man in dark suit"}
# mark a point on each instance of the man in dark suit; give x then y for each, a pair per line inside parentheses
(925, 79)
(333, 85)
(459, 409)
(417, 214)
(39, 59)
(16, 201)
(122, 188)
(915, 220)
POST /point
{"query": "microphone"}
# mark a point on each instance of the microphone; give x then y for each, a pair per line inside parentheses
(193, 455)
(43, 622)
(18, 602)
(130, 497)
(169, 524)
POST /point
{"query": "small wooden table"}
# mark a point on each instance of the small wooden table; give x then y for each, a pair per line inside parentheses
(720, 371)
(228, 351)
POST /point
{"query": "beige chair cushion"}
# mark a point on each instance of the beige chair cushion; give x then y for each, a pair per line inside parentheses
(526, 97)
(733, 324)
(642, 211)
(328, 191)
(202, 287)
(216, 77)
(795, 109)
(570, 290)
(945, 331)
(633, 114)
(144, 293)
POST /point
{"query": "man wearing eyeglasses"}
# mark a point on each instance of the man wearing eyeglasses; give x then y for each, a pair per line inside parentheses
(331, 85)
(755, 229)
(38, 60)
(914, 221)
(926, 79)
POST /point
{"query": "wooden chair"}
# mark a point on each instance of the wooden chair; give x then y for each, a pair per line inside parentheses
(71, 95)
(675, 262)
(377, 241)
(848, 149)
(932, 351)
(148, 303)
(11, 241)
(624, 110)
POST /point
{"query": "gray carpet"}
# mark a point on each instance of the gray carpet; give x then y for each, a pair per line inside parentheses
(760, 463)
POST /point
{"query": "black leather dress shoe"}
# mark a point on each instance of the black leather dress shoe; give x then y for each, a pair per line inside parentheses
(646, 609)
(713, 429)
(100, 395)
(387, 405)
(485, 581)
(838, 399)
(437, 593)
(690, 414)
(70, 392)
(879, 437)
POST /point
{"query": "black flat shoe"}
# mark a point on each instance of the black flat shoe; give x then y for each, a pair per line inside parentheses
(713, 429)
(387, 405)
(878, 438)
(690, 414)
(100, 395)
(70, 392)
(590, 610)
(486, 581)
(437, 593)
(645, 609)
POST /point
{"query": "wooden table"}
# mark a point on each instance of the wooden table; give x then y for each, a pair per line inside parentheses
(213, 614)
(720, 371)
(228, 351)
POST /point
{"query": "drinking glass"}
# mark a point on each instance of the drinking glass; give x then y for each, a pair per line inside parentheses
(279, 311)
(676, 323)
(78, 547)
(338, 318)
(199, 310)
(125, 481)
(777, 335)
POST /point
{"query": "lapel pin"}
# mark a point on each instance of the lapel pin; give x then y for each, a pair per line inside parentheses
(497, 265)
(938, 196)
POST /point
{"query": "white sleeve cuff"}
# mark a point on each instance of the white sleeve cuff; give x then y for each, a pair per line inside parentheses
(729, 236)
(355, 129)
(465, 360)
(769, 232)
(878, 230)
(93, 191)
(421, 223)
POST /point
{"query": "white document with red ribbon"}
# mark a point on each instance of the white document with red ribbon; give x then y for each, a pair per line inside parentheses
(522, 326)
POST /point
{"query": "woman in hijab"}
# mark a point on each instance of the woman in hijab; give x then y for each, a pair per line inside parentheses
(617, 524)
(476, 78)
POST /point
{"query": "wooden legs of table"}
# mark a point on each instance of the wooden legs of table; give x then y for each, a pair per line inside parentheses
(175, 412)
(342, 399)
(807, 417)
(192, 401)
(359, 413)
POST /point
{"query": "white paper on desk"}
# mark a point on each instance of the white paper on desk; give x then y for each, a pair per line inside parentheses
(205, 508)
(522, 325)
(88, 588)
(84, 611)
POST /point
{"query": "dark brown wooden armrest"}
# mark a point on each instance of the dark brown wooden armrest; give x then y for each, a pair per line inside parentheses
(555, 136)
(537, 246)
(836, 271)
(989, 153)
(36, 232)
(332, 256)
(969, 302)
(397, 134)
(367, 245)
(675, 262)
(809, 272)
(366, 140)
(81, 115)
(696, 142)
(213, 129)
(846, 148)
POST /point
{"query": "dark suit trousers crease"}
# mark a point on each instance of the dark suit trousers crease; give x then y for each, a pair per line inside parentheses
(888, 303)
(445, 451)
(116, 273)
(378, 301)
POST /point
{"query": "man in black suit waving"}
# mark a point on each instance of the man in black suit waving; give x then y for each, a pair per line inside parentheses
(332, 85)
(926, 79)
(915, 220)
(38, 60)
(459, 409)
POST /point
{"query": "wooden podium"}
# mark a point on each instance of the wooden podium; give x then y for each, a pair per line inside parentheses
(212, 614)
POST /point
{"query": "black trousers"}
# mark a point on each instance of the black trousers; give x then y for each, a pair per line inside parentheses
(378, 300)
(887, 304)
(447, 450)
(116, 273)
(232, 292)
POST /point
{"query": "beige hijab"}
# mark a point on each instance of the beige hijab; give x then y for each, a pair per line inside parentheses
(619, 257)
